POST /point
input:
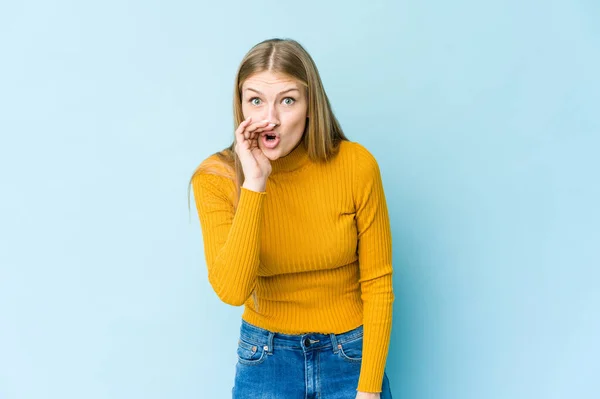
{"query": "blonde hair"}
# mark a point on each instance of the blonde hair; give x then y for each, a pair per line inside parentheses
(323, 132)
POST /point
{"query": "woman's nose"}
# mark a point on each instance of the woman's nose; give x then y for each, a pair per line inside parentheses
(272, 114)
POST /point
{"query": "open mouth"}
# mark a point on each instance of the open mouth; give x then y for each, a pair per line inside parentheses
(270, 140)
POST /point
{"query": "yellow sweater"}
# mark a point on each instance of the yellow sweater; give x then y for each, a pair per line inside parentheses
(311, 254)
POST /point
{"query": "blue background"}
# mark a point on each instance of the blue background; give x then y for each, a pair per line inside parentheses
(483, 117)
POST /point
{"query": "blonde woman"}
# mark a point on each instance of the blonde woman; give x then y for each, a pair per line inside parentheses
(295, 228)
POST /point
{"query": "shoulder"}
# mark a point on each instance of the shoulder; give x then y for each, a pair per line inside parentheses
(217, 164)
(215, 175)
(220, 163)
(358, 154)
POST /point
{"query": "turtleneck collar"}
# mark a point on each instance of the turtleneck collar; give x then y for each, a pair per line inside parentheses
(292, 161)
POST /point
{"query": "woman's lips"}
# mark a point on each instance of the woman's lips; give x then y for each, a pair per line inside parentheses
(270, 144)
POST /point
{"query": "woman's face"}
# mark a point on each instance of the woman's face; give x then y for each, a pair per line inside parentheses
(279, 99)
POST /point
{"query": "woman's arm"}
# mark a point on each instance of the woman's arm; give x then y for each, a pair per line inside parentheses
(231, 238)
(375, 262)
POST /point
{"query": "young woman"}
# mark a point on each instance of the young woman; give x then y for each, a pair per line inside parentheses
(295, 228)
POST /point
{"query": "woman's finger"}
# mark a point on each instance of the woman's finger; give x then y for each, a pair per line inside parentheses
(257, 125)
(243, 125)
(250, 131)
(263, 129)
(239, 132)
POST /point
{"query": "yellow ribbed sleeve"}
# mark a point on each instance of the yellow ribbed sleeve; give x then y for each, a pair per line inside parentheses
(311, 254)
(375, 263)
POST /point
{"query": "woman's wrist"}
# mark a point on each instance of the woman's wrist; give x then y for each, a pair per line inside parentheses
(255, 185)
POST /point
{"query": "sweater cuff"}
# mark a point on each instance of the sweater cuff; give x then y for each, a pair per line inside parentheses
(251, 198)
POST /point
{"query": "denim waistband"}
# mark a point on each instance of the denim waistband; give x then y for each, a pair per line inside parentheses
(259, 336)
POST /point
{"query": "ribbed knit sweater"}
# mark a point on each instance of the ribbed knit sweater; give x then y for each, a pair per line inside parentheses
(310, 254)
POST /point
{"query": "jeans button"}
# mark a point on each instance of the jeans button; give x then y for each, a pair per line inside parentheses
(306, 342)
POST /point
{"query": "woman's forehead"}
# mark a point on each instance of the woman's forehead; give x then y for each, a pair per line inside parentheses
(270, 79)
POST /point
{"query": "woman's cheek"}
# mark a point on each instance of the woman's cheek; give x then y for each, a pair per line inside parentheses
(249, 111)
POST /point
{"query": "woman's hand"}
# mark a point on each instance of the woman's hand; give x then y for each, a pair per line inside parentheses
(256, 166)
(368, 395)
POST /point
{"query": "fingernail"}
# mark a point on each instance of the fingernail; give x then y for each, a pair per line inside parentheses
(271, 124)
(266, 120)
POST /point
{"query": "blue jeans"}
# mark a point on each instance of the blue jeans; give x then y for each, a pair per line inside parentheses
(308, 366)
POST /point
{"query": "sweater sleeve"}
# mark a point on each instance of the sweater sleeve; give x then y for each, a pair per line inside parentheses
(231, 237)
(375, 262)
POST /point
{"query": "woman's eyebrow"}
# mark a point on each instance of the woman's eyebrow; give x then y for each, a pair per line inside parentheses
(285, 91)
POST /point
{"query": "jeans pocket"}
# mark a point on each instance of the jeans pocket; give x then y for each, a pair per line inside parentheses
(250, 354)
(351, 351)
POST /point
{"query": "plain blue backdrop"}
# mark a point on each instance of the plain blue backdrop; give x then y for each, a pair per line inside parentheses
(483, 116)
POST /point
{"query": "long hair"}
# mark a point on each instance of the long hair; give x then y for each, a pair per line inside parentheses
(323, 132)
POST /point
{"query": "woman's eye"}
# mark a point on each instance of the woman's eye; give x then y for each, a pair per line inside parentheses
(255, 101)
(288, 101)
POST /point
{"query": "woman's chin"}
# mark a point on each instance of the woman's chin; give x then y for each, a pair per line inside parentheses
(272, 154)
